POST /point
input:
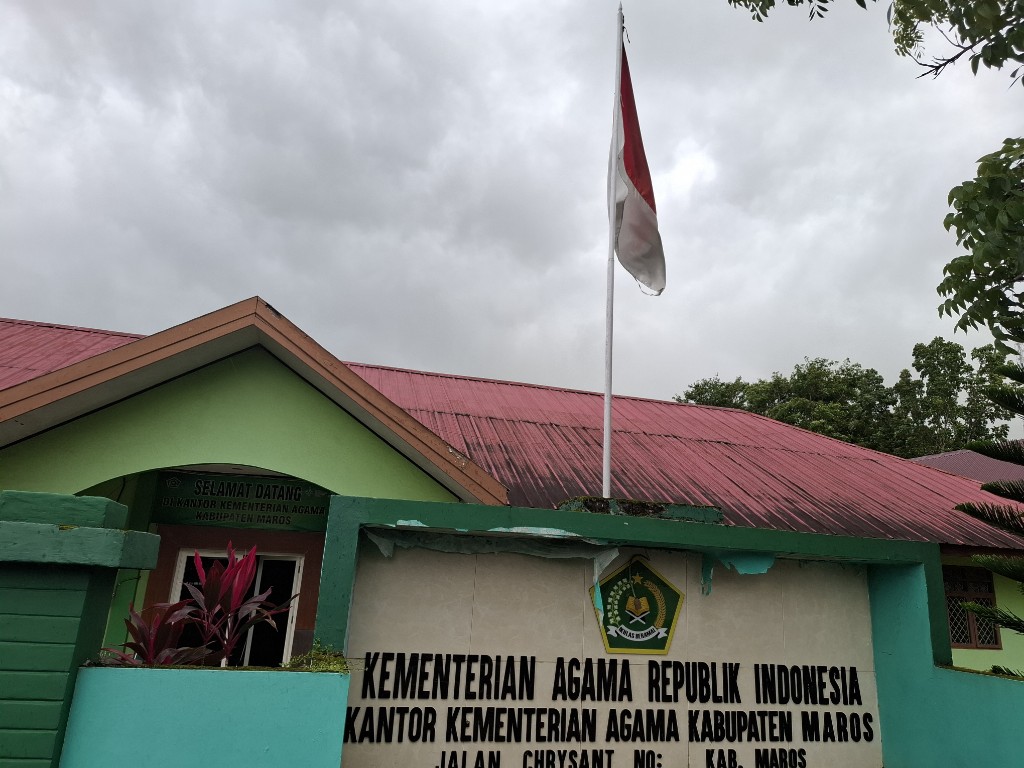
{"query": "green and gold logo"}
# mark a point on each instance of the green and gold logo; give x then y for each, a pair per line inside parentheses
(636, 609)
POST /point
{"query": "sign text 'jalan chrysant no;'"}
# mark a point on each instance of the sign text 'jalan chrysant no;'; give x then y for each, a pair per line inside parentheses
(595, 709)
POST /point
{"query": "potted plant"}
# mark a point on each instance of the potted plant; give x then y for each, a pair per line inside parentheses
(171, 690)
(219, 614)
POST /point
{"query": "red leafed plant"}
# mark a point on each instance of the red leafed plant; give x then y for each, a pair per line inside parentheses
(222, 613)
(155, 641)
(218, 609)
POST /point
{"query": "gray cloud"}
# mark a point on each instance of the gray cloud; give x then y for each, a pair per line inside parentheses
(421, 184)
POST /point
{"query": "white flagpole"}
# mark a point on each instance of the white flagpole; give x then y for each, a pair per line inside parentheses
(606, 485)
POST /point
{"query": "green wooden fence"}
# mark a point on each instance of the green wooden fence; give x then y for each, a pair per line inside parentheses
(59, 557)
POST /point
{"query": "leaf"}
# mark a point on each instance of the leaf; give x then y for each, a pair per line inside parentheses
(988, 9)
(1005, 518)
(155, 641)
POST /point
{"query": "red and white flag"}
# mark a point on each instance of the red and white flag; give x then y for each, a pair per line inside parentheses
(635, 222)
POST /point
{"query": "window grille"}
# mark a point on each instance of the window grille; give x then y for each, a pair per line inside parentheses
(965, 584)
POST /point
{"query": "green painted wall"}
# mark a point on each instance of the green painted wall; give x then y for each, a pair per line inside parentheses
(717, 543)
(227, 718)
(248, 409)
(56, 583)
(41, 612)
(931, 716)
(136, 492)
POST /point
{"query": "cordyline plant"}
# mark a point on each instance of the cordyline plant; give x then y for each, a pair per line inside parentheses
(218, 609)
(222, 612)
(154, 642)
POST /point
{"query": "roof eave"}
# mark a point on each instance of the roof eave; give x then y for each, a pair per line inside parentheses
(55, 398)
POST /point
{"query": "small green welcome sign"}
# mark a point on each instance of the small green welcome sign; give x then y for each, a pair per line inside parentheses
(640, 609)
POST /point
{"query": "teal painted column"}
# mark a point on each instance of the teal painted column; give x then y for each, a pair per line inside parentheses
(58, 559)
(932, 715)
(338, 573)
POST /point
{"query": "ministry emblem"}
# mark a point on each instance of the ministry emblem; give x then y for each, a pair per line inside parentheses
(637, 609)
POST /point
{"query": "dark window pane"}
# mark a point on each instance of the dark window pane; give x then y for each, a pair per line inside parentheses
(267, 643)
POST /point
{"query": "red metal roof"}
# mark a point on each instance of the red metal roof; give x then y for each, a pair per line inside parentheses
(30, 349)
(544, 444)
(973, 465)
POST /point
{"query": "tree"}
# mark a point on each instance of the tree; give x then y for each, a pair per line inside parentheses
(714, 391)
(946, 407)
(1004, 516)
(841, 400)
(984, 286)
(943, 408)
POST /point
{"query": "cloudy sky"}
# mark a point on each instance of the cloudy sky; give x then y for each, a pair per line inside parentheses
(421, 183)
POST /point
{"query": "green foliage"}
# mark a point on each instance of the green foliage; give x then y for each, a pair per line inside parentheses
(1002, 516)
(320, 658)
(1008, 450)
(986, 32)
(1006, 671)
(222, 610)
(1008, 489)
(943, 408)
(1010, 567)
(984, 285)
(997, 616)
(1006, 517)
(714, 391)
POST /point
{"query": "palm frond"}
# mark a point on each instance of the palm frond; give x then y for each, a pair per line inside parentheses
(1001, 516)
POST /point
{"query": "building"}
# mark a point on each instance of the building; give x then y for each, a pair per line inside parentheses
(236, 426)
(762, 581)
(973, 465)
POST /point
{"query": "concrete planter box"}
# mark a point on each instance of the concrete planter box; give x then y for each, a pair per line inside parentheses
(167, 718)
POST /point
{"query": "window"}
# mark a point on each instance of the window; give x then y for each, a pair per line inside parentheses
(263, 646)
(964, 584)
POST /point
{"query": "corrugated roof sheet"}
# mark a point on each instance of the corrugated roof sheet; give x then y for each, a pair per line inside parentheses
(973, 465)
(544, 444)
(30, 349)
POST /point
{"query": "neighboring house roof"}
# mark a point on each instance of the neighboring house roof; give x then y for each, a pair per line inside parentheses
(28, 350)
(85, 385)
(544, 445)
(973, 465)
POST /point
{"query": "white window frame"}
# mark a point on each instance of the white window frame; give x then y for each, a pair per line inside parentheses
(184, 554)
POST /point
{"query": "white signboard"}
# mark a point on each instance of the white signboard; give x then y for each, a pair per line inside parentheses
(498, 661)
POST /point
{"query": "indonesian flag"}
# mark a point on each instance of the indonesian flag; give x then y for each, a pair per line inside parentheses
(635, 224)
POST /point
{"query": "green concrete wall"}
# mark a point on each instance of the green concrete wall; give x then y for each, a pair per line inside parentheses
(43, 639)
(169, 718)
(56, 582)
(248, 409)
(931, 716)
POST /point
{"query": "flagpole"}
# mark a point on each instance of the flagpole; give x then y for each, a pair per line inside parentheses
(606, 475)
